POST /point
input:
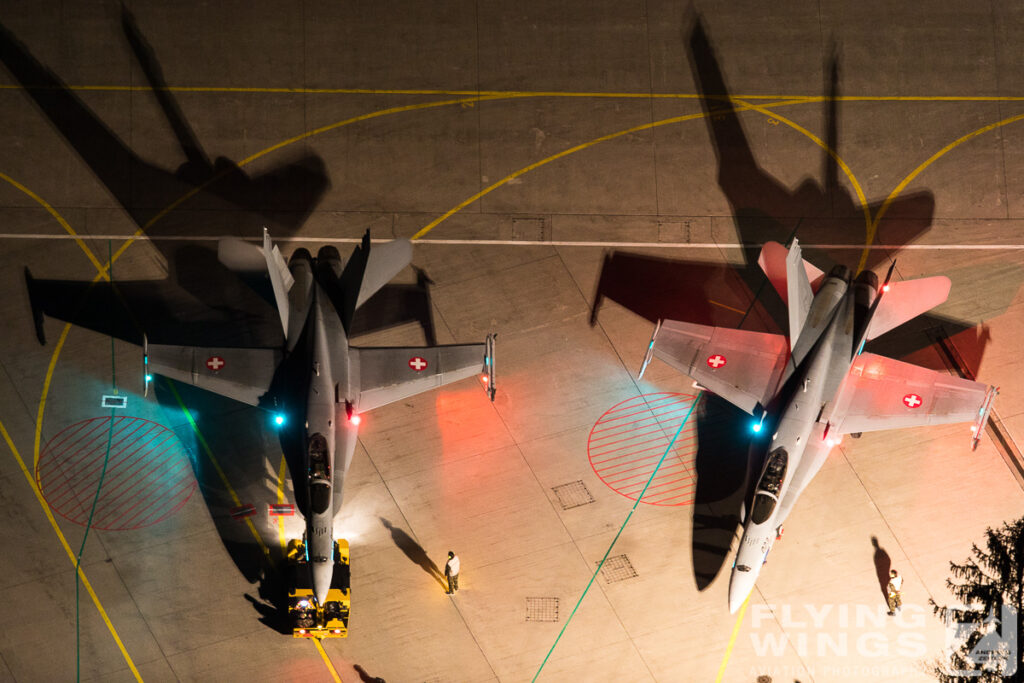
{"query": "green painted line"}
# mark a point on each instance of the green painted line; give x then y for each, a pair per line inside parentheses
(590, 583)
(95, 500)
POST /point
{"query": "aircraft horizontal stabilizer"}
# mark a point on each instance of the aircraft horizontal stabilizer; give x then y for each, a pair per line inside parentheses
(385, 261)
(905, 301)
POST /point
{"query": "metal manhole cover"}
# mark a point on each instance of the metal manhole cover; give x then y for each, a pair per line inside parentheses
(148, 476)
(573, 495)
(542, 609)
(617, 568)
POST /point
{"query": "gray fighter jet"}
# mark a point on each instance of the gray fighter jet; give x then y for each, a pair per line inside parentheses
(317, 385)
(810, 390)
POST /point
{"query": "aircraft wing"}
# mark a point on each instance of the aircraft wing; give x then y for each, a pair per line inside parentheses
(242, 374)
(882, 393)
(390, 374)
(742, 367)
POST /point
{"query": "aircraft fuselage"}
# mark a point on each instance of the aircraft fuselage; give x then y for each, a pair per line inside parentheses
(821, 358)
(329, 420)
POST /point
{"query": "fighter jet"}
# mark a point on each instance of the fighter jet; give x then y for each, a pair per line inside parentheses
(317, 385)
(810, 390)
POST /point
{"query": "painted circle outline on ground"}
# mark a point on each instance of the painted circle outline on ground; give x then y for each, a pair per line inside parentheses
(630, 438)
(148, 477)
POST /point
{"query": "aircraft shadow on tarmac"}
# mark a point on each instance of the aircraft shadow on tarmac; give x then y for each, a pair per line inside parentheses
(736, 296)
(201, 302)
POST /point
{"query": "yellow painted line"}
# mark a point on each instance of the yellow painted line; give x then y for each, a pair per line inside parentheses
(31, 477)
(873, 228)
(572, 150)
(46, 390)
(60, 219)
(732, 640)
(728, 308)
(216, 466)
(327, 660)
(67, 548)
(280, 499)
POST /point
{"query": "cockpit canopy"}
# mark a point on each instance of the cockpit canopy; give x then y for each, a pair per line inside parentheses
(319, 462)
(767, 492)
(319, 474)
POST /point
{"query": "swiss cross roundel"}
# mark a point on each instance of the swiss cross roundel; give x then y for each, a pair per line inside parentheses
(716, 361)
(215, 363)
(912, 400)
(418, 364)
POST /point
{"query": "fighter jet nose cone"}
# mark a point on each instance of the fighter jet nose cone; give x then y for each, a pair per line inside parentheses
(322, 574)
(741, 584)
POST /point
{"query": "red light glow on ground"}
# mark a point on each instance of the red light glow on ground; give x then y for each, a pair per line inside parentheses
(627, 442)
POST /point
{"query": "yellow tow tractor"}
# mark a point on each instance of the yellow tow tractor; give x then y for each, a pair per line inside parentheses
(308, 619)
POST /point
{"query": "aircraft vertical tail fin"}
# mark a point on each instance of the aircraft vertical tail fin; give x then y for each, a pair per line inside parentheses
(799, 294)
(280, 278)
(773, 262)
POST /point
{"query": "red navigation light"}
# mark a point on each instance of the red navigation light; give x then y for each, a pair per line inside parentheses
(355, 419)
(484, 379)
(885, 288)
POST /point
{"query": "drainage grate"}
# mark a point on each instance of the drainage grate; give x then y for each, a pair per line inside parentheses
(573, 494)
(617, 568)
(542, 609)
(529, 229)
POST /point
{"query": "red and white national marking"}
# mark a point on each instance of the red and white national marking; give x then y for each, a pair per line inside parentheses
(912, 400)
(418, 364)
(215, 363)
(716, 361)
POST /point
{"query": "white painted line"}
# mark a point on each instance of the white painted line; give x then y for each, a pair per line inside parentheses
(530, 243)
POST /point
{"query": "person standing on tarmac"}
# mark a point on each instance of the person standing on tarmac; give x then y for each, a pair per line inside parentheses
(894, 598)
(451, 572)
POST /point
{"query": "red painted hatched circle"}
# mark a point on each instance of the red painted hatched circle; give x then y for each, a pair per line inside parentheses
(148, 475)
(627, 442)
